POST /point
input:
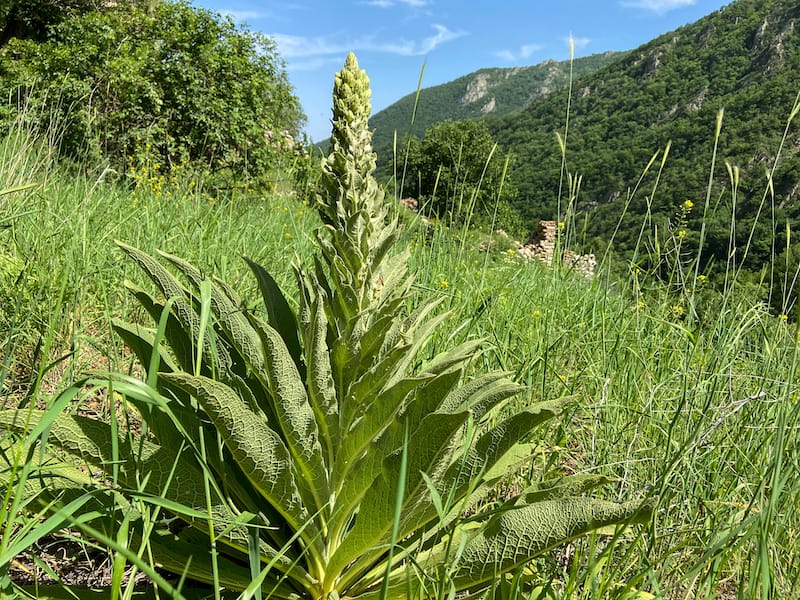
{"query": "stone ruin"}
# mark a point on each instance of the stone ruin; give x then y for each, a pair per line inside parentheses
(542, 247)
(409, 203)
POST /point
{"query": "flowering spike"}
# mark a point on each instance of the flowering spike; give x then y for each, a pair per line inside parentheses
(357, 233)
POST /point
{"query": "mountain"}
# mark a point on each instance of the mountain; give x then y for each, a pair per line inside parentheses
(493, 91)
(743, 58)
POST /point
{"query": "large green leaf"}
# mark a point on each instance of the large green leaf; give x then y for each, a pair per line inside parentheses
(281, 316)
(428, 449)
(377, 414)
(189, 551)
(482, 394)
(319, 374)
(229, 316)
(492, 445)
(295, 417)
(90, 440)
(181, 345)
(170, 287)
(140, 341)
(475, 553)
(257, 448)
(514, 537)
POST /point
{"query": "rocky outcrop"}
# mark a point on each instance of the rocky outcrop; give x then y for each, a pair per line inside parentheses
(476, 89)
(489, 106)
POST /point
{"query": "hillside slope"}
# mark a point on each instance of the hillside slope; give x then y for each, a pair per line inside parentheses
(743, 58)
(493, 91)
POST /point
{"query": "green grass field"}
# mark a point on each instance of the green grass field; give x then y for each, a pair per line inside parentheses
(686, 398)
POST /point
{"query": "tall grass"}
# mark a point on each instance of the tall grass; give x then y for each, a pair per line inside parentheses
(702, 414)
(686, 391)
(695, 404)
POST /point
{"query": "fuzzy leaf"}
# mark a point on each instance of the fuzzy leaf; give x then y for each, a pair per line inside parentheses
(91, 441)
(570, 485)
(169, 286)
(492, 445)
(482, 394)
(319, 374)
(375, 417)
(428, 449)
(178, 554)
(515, 537)
(510, 540)
(176, 336)
(281, 316)
(295, 416)
(256, 448)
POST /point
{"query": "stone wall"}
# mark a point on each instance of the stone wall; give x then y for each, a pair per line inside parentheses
(542, 245)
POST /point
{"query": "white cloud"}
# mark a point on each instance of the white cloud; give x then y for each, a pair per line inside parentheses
(658, 6)
(292, 46)
(579, 42)
(522, 53)
(312, 64)
(442, 36)
(241, 16)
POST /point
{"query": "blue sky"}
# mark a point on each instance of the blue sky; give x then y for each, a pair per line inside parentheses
(393, 39)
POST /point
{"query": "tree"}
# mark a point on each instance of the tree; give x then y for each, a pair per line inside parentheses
(32, 18)
(181, 84)
(457, 172)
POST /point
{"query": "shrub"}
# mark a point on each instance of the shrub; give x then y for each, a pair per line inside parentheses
(168, 82)
(458, 173)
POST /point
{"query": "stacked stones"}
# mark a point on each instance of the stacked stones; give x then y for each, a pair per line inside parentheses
(542, 244)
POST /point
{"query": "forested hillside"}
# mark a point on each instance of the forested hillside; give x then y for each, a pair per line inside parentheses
(492, 91)
(744, 59)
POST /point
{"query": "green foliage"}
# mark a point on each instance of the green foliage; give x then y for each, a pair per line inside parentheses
(317, 453)
(164, 80)
(30, 19)
(458, 173)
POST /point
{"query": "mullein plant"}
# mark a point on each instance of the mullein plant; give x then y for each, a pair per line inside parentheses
(314, 453)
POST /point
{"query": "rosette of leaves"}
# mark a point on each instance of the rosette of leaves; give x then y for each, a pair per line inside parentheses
(313, 453)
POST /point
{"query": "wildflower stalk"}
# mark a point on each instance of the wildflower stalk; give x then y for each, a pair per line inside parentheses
(358, 230)
(353, 206)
